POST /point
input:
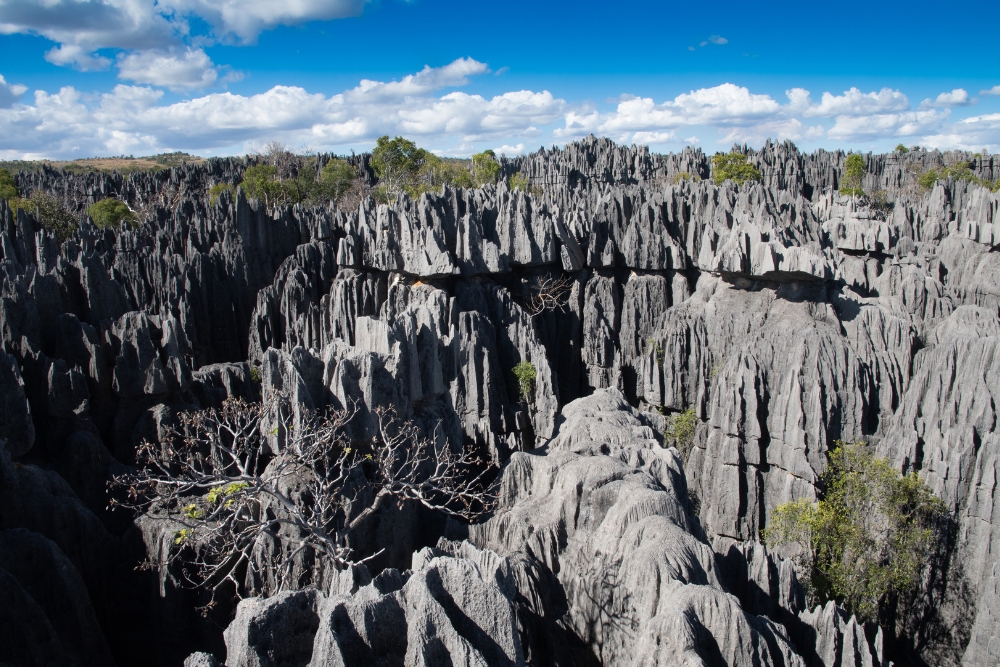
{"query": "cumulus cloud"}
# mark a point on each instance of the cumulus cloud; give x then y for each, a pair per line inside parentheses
(726, 104)
(956, 98)
(181, 69)
(132, 119)
(853, 103)
(156, 31)
(995, 90)
(10, 93)
(880, 126)
(429, 78)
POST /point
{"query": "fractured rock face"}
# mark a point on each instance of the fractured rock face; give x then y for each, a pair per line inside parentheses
(450, 608)
(604, 546)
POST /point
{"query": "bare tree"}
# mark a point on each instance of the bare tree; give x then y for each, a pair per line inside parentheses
(548, 293)
(279, 156)
(214, 478)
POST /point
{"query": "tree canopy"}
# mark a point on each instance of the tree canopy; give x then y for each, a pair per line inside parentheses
(869, 537)
(733, 167)
(485, 168)
(397, 163)
(854, 174)
(8, 190)
(111, 213)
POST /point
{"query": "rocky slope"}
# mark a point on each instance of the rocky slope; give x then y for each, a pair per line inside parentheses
(784, 314)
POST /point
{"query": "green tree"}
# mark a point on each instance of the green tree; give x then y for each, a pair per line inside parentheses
(900, 148)
(733, 167)
(112, 213)
(397, 162)
(335, 179)
(260, 183)
(854, 174)
(49, 213)
(526, 374)
(866, 542)
(436, 172)
(8, 190)
(485, 168)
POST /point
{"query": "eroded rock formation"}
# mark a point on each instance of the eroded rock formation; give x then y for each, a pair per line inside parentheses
(785, 315)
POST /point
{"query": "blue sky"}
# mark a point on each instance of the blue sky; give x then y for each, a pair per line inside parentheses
(215, 77)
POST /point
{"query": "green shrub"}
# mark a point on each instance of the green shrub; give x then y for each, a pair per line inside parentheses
(436, 172)
(900, 148)
(526, 375)
(733, 167)
(335, 179)
(960, 171)
(8, 190)
(49, 212)
(112, 213)
(682, 176)
(868, 539)
(680, 431)
(255, 374)
(854, 174)
(216, 191)
(485, 168)
(260, 183)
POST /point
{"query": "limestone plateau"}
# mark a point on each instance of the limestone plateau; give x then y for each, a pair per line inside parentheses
(786, 315)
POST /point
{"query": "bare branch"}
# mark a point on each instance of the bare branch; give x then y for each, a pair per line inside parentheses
(243, 514)
(548, 293)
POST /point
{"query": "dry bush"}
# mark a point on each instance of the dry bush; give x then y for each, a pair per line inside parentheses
(231, 500)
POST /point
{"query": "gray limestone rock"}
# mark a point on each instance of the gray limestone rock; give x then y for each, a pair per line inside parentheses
(450, 608)
(17, 430)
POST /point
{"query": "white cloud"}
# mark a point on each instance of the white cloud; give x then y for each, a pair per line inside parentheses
(452, 75)
(881, 126)
(647, 138)
(722, 105)
(510, 150)
(177, 69)
(81, 28)
(995, 90)
(77, 57)
(956, 98)
(131, 119)
(10, 93)
(718, 39)
(854, 103)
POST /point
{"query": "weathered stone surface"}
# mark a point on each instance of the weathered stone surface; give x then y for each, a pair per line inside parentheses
(785, 314)
(602, 513)
(450, 608)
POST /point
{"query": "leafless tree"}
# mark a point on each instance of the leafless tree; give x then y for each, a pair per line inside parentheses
(548, 293)
(279, 156)
(226, 495)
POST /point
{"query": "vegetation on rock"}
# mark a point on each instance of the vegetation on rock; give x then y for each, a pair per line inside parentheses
(49, 213)
(8, 189)
(733, 167)
(228, 501)
(854, 174)
(680, 431)
(866, 542)
(960, 171)
(526, 374)
(112, 213)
